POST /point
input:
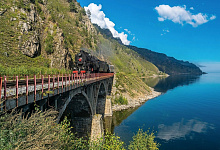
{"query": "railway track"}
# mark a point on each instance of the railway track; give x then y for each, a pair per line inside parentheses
(22, 83)
(17, 87)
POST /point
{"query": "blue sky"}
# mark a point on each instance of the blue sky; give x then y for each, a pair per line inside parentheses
(184, 29)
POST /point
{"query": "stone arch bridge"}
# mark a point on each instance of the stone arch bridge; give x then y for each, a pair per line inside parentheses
(83, 101)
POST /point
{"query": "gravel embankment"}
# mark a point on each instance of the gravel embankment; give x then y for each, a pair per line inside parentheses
(136, 102)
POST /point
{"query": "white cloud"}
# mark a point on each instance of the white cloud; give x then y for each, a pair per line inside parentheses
(213, 17)
(165, 32)
(129, 32)
(134, 38)
(98, 17)
(161, 19)
(179, 14)
(191, 8)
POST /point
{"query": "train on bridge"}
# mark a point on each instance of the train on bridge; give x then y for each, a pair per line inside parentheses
(86, 63)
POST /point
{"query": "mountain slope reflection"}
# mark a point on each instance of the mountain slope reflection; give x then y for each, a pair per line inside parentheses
(174, 81)
(182, 129)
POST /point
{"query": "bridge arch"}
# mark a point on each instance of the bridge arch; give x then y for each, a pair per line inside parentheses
(79, 113)
(71, 96)
(109, 88)
(101, 99)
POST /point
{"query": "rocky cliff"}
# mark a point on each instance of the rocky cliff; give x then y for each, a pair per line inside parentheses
(44, 29)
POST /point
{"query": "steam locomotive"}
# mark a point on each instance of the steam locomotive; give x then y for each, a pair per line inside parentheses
(86, 63)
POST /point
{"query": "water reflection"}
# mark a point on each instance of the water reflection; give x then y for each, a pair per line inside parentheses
(174, 81)
(186, 118)
(160, 84)
(152, 81)
(182, 129)
(117, 118)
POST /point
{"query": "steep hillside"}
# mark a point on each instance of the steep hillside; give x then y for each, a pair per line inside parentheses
(167, 64)
(43, 33)
(129, 66)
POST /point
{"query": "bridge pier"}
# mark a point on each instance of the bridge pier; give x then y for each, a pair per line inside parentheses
(108, 108)
(97, 130)
(81, 126)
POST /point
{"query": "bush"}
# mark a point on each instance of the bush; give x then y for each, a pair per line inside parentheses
(121, 100)
(49, 44)
(109, 142)
(39, 131)
(143, 141)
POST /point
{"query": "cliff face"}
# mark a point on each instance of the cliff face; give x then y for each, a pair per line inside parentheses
(31, 45)
(43, 29)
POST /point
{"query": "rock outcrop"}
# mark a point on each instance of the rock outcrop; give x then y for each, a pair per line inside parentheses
(29, 41)
(31, 47)
(61, 57)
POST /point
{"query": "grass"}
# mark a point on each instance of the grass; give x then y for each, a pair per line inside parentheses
(25, 70)
(131, 84)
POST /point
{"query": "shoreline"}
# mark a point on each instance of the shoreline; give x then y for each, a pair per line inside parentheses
(136, 101)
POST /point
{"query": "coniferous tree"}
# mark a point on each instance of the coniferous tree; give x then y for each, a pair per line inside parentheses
(72, 7)
(88, 12)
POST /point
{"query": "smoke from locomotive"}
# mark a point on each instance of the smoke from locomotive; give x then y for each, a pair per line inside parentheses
(85, 62)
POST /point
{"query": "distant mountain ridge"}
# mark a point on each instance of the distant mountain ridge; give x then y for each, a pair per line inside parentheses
(164, 63)
(167, 64)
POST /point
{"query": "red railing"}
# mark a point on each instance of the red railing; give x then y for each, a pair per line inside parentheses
(74, 79)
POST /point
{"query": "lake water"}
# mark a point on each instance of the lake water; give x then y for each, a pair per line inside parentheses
(185, 117)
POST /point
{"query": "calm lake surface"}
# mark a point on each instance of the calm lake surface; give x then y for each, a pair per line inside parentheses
(185, 117)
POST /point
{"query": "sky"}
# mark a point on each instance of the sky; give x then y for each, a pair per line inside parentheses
(185, 29)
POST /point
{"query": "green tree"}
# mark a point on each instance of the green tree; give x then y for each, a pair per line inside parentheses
(72, 7)
(88, 12)
(83, 11)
